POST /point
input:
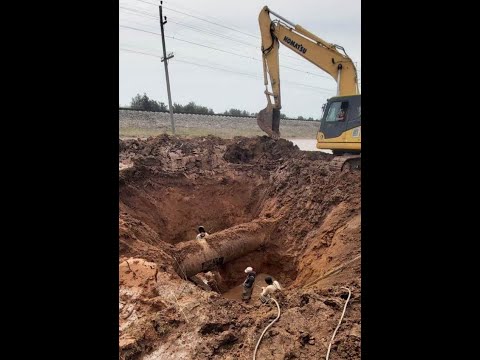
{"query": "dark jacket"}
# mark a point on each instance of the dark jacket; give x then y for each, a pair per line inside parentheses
(248, 283)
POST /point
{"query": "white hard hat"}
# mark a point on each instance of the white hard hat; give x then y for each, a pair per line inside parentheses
(248, 269)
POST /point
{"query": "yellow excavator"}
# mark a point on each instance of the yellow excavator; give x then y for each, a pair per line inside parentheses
(340, 127)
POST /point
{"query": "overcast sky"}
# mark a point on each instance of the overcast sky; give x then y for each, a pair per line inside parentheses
(221, 80)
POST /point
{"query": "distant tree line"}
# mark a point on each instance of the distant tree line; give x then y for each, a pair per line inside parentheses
(144, 103)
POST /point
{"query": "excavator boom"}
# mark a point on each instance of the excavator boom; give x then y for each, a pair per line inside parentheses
(301, 41)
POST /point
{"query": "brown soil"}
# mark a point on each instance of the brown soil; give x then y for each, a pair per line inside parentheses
(172, 185)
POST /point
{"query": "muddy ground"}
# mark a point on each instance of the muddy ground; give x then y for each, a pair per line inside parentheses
(169, 186)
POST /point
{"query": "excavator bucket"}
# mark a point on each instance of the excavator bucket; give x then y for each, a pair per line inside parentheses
(268, 120)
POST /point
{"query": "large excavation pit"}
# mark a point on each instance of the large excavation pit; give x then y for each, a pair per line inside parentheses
(266, 205)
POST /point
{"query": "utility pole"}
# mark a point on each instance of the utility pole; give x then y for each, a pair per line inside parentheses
(165, 61)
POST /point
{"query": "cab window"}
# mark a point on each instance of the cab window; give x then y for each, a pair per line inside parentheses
(337, 111)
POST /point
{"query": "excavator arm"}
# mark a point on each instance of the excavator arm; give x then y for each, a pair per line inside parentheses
(319, 52)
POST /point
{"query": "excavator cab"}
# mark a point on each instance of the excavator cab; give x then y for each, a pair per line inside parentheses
(340, 131)
(340, 126)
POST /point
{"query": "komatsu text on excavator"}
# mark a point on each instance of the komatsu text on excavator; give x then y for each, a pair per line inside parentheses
(340, 127)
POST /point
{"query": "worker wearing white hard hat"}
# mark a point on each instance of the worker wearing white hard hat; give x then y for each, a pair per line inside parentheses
(248, 284)
(202, 234)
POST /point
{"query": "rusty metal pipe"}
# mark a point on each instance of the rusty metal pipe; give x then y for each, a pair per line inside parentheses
(197, 256)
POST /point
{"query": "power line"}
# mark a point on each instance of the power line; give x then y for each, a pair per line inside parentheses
(200, 30)
(213, 33)
(139, 12)
(190, 42)
(257, 37)
(132, 22)
(195, 11)
(217, 64)
(140, 52)
(215, 68)
(147, 2)
(199, 18)
(232, 71)
(224, 51)
(211, 22)
(207, 31)
(133, 46)
(140, 24)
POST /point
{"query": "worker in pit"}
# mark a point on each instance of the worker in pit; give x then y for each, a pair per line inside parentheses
(202, 234)
(248, 284)
(212, 280)
(272, 286)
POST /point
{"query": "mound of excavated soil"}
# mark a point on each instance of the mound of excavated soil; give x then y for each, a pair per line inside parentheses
(311, 246)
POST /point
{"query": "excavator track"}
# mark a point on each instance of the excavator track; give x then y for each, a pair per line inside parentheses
(346, 163)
